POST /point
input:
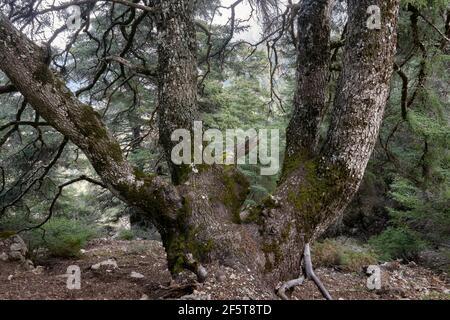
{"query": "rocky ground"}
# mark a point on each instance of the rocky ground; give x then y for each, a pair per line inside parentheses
(114, 269)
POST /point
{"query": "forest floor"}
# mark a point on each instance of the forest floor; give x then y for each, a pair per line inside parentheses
(147, 258)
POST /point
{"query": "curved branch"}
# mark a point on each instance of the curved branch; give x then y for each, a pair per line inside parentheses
(311, 274)
(82, 2)
(58, 194)
(151, 74)
(7, 89)
(81, 124)
(41, 177)
(24, 123)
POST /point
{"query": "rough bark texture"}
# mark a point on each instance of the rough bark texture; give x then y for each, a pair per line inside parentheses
(313, 73)
(198, 217)
(362, 92)
(206, 228)
(445, 43)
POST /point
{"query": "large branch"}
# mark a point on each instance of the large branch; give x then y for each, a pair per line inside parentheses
(313, 75)
(316, 188)
(361, 96)
(188, 221)
(23, 62)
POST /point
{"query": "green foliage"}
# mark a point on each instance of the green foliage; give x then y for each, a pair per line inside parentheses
(65, 238)
(426, 211)
(412, 163)
(427, 126)
(413, 157)
(434, 295)
(243, 104)
(437, 4)
(398, 243)
(239, 97)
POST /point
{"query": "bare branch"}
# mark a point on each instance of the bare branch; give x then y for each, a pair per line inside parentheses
(8, 89)
(309, 273)
(45, 171)
(138, 69)
(58, 194)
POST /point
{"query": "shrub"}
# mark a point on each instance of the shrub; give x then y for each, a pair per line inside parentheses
(64, 237)
(138, 248)
(125, 234)
(355, 261)
(347, 255)
(425, 211)
(398, 242)
(60, 237)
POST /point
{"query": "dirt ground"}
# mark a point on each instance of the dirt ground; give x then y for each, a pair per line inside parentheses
(148, 258)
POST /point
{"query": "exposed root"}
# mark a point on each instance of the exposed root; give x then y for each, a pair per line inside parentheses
(309, 272)
(311, 275)
(173, 291)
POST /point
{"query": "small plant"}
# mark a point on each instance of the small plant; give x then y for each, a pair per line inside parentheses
(399, 242)
(436, 296)
(348, 256)
(326, 253)
(125, 234)
(355, 261)
(59, 237)
(64, 237)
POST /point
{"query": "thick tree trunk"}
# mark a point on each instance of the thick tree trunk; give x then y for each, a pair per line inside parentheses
(313, 75)
(23, 62)
(198, 217)
(177, 75)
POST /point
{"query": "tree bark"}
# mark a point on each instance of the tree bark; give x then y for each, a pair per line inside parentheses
(23, 62)
(198, 215)
(313, 75)
(177, 84)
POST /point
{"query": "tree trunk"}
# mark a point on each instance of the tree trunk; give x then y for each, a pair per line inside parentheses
(198, 215)
(445, 43)
(177, 75)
